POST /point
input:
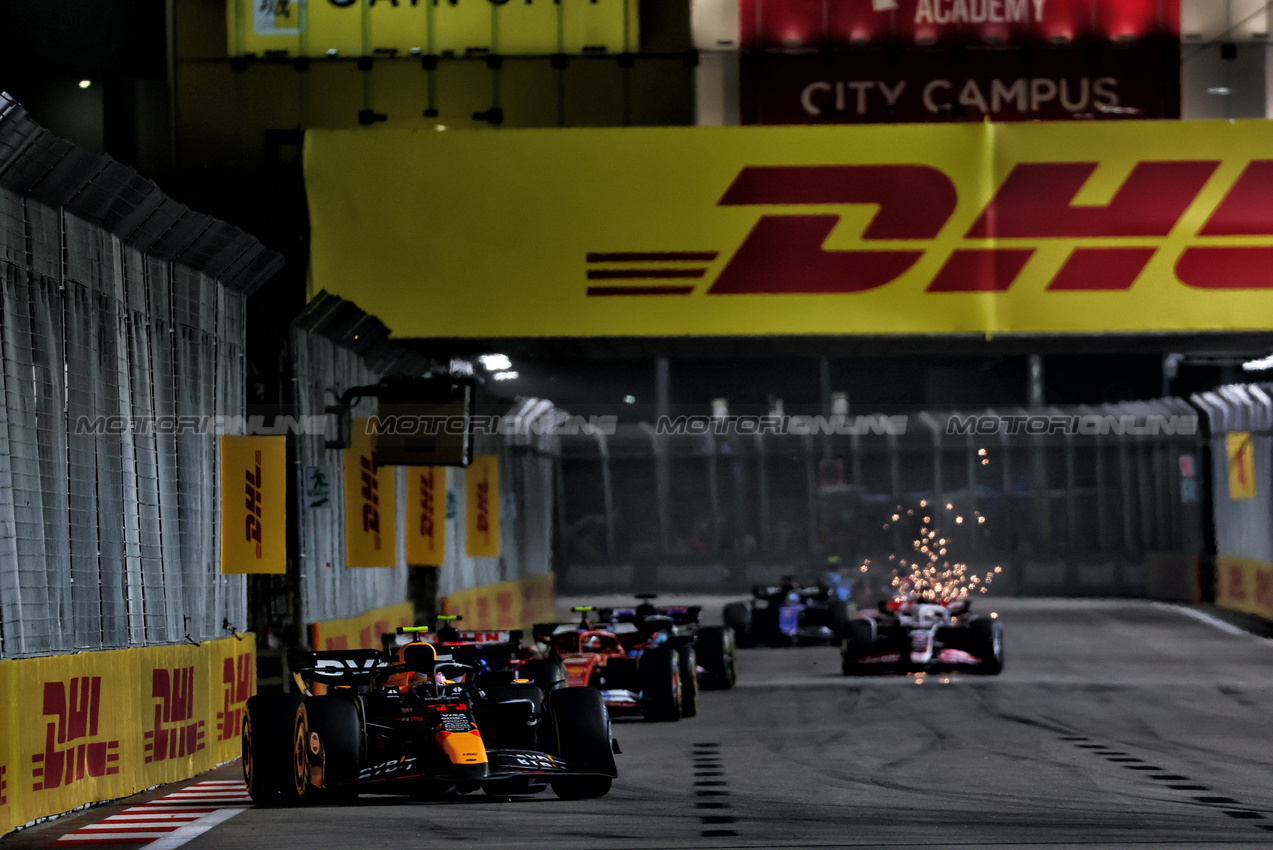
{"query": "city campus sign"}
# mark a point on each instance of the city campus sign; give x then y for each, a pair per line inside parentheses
(317, 28)
(987, 228)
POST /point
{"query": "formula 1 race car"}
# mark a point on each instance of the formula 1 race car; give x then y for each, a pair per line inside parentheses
(916, 636)
(423, 721)
(648, 676)
(793, 613)
(715, 651)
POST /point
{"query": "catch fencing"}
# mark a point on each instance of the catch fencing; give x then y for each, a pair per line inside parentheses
(337, 346)
(1074, 499)
(118, 307)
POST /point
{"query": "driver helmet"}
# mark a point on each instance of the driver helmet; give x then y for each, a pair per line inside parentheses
(592, 643)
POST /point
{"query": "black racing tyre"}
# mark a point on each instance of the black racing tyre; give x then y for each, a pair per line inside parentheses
(717, 656)
(269, 766)
(547, 673)
(987, 644)
(858, 640)
(581, 726)
(660, 684)
(687, 669)
(334, 719)
(737, 616)
(842, 614)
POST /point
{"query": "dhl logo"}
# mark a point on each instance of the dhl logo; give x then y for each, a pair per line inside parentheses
(4, 786)
(426, 505)
(236, 679)
(785, 253)
(252, 489)
(69, 753)
(175, 733)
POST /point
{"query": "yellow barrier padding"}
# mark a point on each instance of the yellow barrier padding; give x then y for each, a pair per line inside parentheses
(481, 507)
(507, 605)
(77, 729)
(363, 631)
(1030, 227)
(1244, 584)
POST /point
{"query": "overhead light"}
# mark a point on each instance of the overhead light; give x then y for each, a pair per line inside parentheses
(506, 376)
(495, 362)
(1258, 365)
(85, 83)
(629, 399)
(1219, 90)
(331, 51)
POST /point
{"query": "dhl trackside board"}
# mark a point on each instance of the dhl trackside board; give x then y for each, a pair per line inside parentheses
(990, 228)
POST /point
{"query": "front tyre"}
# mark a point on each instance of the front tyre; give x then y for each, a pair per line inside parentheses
(660, 684)
(717, 655)
(581, 727)
(987, 644)
(687, 670)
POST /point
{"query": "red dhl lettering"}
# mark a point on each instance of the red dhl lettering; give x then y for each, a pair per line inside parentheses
(426, 506)
(1264, 590)
(4, 786)
(236, 678)
(253, 519)
(371, 497)
(75, 707)
(1237, 583)
(175, 733)
(783, 254)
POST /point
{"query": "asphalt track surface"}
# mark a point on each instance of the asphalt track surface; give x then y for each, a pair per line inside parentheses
(1114, 724)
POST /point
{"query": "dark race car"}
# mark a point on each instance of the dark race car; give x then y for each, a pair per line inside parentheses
(711, 649)
(422, 720)
(635, 672)
(917, 636)
(793, 613)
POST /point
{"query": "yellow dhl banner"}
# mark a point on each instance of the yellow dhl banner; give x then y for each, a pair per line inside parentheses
(361, 632)
(923, 228)
(77, 729)
(1241, 452)
(481, 507)
(507, 605)
(459, 27)
(370, 518)
(1243, 584)
(426, 515)
(253, 504)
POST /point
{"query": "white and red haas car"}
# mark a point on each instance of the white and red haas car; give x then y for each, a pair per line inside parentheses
(912, 636)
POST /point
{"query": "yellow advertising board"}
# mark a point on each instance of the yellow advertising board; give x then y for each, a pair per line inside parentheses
(481, 507)
(457, 27)
(1246, 585)
(253, 504)
(76, 729)
(1241, 452)
(370, 518)
(1082, 227)
(426, 515)
(507, 605)
(361, 632)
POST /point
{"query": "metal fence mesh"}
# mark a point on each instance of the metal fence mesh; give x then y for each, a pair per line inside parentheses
(117, 306)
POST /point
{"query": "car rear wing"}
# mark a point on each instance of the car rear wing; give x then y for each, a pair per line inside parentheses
(338, 666)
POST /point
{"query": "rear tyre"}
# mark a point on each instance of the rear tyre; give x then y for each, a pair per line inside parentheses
(268, 752)
(335, 720)
(858, 639)
(581, 726)
(987, 644)
(717, 656)
(660, 684)
(687, 670)
(737, 616)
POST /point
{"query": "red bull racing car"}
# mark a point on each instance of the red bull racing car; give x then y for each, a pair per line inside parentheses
(423, 720)
(915, 636)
